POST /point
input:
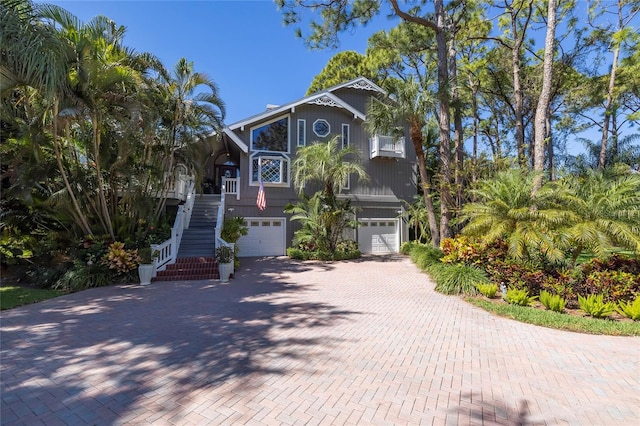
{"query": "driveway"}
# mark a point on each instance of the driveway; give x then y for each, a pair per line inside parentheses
(363, 342)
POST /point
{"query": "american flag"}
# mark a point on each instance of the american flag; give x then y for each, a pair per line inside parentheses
(261, 202)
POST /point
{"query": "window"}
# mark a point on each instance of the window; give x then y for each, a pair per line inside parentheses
(321, 128)
(347, 182)
(272, 136)
(345, 135)
(302, 132)
(273, 169)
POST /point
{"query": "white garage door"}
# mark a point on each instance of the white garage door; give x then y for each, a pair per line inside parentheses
(266, 237)
(378, 236)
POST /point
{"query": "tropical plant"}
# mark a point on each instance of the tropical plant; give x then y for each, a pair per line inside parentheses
(553, 302)
(488, 290)
(425, 256)
(410, 105)
(224, 254)
(457, 279)
(120, 259)
(146, 255)
(630, 309)
(602, 211)
(233, 228)
(506, 208)
(519, 297)
(594, 305)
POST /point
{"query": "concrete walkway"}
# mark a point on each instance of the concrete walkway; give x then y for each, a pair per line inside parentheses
(365, 342)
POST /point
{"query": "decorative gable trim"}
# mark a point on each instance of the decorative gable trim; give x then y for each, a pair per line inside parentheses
(360, 83)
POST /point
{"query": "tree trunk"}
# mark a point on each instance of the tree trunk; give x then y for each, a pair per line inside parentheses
(425, 178)
(104, 208)
(542, 109)
(518, 39)
(476, 124)
(550, 148)
(83, 223)
(608, 110)
(457, 124)
(444, 120)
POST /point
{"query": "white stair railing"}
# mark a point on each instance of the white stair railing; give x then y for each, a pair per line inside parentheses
(167, 251)
(220, 222)
(231, 186)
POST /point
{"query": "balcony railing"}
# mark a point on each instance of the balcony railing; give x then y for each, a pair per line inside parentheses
(387, 147)
(179, 188)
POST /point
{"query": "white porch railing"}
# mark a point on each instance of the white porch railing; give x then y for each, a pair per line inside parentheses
(231, 186)
(387, 146)
(220, 220)
(168, 250)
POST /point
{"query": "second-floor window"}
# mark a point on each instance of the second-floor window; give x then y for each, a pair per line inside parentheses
(345, 135)
(302, 132)
(271, 136)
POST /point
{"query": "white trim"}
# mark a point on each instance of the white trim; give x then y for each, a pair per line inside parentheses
(362, 83)
(266, 123)
(274, 156)
(325, 122)
(303, 122)
(235, 139)
(291, 107)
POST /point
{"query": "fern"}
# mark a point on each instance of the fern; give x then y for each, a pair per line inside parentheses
(552, 302)
(594, 305)
(630, 309)
(487, 290)
(519, 297)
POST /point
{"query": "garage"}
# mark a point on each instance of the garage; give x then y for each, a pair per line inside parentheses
(378, 236)
(266, 237)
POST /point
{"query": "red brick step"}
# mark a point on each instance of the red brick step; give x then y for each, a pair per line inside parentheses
(190, 269)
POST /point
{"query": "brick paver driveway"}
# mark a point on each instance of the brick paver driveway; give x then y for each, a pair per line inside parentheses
(365, 342)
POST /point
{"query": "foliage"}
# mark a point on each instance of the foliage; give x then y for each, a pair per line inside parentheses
(408, 246)
(594, 305)
(345, 250)
(82, 276)
(425, 255)
(120, 259)
(457, 279)
(233, 228)
(515, 274)
(146, 255)
(519, 297)
(12, 297)
(557, 320)
(462, 249)
(613, 285)
(552, 301)
(224, 254)
(342, 67)
(487, 290)
(630, 309)
(324, 222)
(505, 210)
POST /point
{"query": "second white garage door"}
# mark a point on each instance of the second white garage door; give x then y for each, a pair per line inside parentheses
(378, 236)
(266, 237)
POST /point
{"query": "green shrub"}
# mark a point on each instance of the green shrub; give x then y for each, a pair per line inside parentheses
(488, 290)
(611, 284)
(408, 246)
(457, 279)
(594, 305)
(425, 255)
(345, 250)
(630, 309)
(519, 297)
(517, 274)
(82, 276)
(553, 302)
(470, 251)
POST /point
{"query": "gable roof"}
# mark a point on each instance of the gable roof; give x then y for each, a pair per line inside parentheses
(325, 97)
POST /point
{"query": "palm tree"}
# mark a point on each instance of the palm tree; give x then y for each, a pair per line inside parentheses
(192, 111)
(604, 211)
(327, 163)
(411, 105)
(506, 208)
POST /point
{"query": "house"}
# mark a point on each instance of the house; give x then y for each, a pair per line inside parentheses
(265, 145)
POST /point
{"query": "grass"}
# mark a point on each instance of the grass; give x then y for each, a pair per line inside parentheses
(557, 320)
(12, 297)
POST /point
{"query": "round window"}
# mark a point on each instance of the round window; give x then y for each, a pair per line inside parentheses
(321, 128)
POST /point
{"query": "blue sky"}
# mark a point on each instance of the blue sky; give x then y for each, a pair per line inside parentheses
(242, 45)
